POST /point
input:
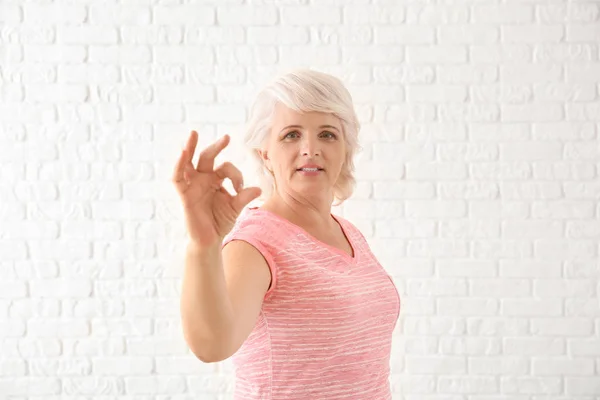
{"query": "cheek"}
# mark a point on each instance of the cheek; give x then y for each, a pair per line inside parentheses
(340, 165)
(339, 156)
(287, 157)
(284, 160)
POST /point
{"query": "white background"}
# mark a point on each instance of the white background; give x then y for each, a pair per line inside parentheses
(478, 185)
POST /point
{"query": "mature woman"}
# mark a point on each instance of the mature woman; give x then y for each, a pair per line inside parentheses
(288, 289)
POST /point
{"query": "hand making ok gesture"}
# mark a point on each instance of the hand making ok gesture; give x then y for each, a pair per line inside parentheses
(210, 211)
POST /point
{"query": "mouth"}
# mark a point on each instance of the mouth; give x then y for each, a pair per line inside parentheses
(310, 169)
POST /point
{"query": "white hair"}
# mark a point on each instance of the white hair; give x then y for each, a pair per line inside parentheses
(304, 90)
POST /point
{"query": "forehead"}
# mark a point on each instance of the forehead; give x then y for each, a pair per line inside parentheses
(284, 116)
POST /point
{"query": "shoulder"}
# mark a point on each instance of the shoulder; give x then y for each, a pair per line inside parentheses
(259, 229)
(355, 234)
(252, 224)
(348, 226)
(251, 243)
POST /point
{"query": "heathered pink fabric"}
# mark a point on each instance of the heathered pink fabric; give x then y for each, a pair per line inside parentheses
(325, 328)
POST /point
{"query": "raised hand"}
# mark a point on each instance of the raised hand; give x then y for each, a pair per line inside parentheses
(210, 211)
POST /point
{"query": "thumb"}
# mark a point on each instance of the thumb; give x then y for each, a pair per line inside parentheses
(244, 197)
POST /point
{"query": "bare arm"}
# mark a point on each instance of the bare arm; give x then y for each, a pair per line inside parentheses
(221, 297)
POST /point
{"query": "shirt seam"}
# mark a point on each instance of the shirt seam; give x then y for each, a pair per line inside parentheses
(270, 355)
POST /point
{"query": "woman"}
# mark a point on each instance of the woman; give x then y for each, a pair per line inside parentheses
(288, 289)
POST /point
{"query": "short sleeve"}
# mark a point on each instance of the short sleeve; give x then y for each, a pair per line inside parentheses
(247, 235)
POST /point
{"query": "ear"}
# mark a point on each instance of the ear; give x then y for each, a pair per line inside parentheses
(265, 158)
(263, 154)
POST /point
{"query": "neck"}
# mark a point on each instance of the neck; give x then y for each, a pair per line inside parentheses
(311, 214)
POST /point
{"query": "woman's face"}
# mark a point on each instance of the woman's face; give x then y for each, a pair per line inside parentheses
(305, 151)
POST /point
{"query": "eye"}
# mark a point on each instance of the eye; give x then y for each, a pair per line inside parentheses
(294, 135)
(287, 135)
(329, 135)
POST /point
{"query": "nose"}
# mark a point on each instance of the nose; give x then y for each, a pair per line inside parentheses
(310, 146)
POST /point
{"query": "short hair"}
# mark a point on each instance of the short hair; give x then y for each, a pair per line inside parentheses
(304, 90)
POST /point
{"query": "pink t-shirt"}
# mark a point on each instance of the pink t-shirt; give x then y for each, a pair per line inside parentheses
(325, 327)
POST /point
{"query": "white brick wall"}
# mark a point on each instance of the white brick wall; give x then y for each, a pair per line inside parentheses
(477, 188)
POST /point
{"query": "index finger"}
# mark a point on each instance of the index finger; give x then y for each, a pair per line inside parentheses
(185, 157)
(206, 160)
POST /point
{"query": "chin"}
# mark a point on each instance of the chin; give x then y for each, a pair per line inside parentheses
(313, 189)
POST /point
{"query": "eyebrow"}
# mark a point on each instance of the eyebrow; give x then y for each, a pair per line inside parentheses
(300, 126)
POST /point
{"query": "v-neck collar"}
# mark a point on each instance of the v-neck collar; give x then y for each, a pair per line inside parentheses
(298, 228)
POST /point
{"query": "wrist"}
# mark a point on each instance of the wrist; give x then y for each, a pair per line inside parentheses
(202, 250)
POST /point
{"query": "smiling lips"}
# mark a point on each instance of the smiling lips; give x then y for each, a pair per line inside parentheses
(310, 170)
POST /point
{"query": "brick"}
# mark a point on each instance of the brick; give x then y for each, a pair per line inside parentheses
(562, 327)
(54, 14)
(532, 34)
(28, 34)
(500, 53)
(153, 34)
(503, 14)
(189, 14)
(468, 34)
(436, 55)
(500, 288)
(438, 14)
(30, 386)
(406, 35)
(467, 74)
(576, 386)
(342, 35)
(499, 365)
(456, 152)
(463, 384)
(307, 55)
(570, 14)
(316, 14)
(437, 93)
(275, 35)
(85, 385)
(435, 364)
(532, 307)
(583, 33)
(246, 55)
(368, 54)
(526, 384)
(55, 53)
(119, 15)
(122, 366)
(86, 35)
(247, 16)
(370, 15)
(530, 346)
